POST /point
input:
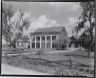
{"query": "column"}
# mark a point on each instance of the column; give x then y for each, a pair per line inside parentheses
(30, 42)
(56, 37)
(45, 41)
(35, 42)
(40, 41)
(51, 41)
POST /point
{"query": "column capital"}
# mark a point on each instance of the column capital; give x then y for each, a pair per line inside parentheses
(50, 35)
(45, 35)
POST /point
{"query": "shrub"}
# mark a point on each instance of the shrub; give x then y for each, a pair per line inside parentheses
(81, 69)
(92, 72)
(87, 70)
(40, 52)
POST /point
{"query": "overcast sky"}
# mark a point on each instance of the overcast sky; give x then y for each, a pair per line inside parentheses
(47, 14)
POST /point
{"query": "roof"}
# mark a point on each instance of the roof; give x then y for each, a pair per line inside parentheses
(49, 30)
(21, 40)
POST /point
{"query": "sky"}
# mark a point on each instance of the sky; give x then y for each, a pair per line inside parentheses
(48, 14)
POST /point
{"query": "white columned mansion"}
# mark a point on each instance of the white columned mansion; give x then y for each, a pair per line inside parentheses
(44, 38)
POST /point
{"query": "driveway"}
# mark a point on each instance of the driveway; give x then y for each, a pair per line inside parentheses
(11, 70)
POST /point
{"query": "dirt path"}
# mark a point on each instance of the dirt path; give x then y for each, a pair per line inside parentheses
(11, 70)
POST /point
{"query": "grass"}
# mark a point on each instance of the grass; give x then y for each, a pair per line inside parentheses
(55, 63)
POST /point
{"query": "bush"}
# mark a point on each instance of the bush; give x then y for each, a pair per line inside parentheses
(87, 70)
(92, 72)
(81, 69)
(40, 52)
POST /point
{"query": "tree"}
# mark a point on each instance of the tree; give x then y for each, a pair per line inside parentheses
(19, 23)
(87, 16)
(25, 39)
(62, 40)
(84, 38)
(7, 13)
(13, 23)
(40, 52)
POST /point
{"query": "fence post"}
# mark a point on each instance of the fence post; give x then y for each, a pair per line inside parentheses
(70, 66)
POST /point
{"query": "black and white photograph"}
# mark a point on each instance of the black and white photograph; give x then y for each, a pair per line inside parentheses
(48, 38)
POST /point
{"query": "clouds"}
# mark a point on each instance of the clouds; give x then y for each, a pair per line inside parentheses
(41, 22)
(64, 10)
(59, 11)
(72, 23)
(45, 14)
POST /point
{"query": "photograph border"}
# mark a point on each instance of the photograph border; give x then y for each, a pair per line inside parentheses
(43, 75)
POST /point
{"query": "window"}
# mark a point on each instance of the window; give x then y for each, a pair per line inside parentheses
(33, 39)
(53, 45)
(37, 45)
(48, 45)
(48, 38)
(18, 43)
(43, 38)
(53, 37)
(42, 45)
(38, 38)
(33, 44)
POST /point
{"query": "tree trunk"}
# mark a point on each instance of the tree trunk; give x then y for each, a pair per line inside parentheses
(7, 44)
(90, 20)
(14, 44)
(10, 44)
(89, 53)
(89, 50)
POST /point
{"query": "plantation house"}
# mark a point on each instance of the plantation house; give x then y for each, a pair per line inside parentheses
(45, 37)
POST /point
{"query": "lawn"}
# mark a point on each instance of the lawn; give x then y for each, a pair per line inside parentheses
(55, 63)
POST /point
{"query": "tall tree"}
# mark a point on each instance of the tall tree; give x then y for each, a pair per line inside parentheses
(62, 40)
(7, 13)
(25, 39)
(87, 22)
(13, 23)
(18, 24)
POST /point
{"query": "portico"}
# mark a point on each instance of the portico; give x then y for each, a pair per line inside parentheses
(43, 41)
